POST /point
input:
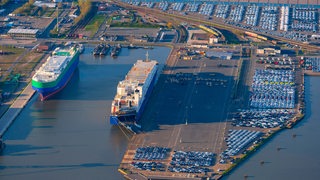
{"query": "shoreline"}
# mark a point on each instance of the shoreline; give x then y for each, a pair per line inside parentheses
(15, 107)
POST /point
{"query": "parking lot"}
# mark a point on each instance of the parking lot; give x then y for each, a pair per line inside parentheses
(262, 118)
(187, 113)
(291, 22)
(273, 89)
(312, 63)
(151, 153)
(237, 141)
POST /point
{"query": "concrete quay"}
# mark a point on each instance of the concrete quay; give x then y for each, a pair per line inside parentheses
(14, 110)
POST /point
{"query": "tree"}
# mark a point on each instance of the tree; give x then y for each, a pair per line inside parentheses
(96, 24)
(31, 2)
(60, 5)
(44, 8)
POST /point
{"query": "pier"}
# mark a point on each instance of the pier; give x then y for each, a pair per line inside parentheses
(16, 107)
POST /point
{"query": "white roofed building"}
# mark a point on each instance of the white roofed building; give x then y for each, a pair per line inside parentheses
(41, 3)
(23, 33)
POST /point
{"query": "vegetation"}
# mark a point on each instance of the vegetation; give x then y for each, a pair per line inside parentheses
(54, 32)
(95, 23)
(3, 2)
(85, 8)
(135, 21)
(137, 25)
(8, 60)
(28, 9)
(169, 25)
(49, 13)
(29, 62)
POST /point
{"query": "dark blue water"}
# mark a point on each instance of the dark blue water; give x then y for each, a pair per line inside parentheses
(299, 157)
(69, 135)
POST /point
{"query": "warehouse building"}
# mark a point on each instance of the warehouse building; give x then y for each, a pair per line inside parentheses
(219, 55)
(23, 33)
(269, 50)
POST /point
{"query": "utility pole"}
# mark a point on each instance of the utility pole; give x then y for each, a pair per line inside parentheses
(58, 19)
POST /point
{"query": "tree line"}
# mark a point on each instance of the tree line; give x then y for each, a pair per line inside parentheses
(85, 7)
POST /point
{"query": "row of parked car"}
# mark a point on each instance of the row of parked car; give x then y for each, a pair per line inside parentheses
(237, 13)
(262, 118)
(189, 169)
(312, 63)
(177, 6)
(237, 141)
(263, 19)
(222, 11)
(269, 18)
(305, 14)
(273, 89)
(147, 4)
(149, 166)
(192, 158)
(193, 7)
(275, 60)
(252, 14)
(206, 9)
(151, 153)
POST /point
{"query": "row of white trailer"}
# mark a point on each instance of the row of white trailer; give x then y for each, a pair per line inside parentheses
(284, 18)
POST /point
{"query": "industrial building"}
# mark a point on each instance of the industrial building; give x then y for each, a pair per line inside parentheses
(41, 4)
(23, 33)
(197, 36)
(269, 50)
(219, 55)
(44, 46)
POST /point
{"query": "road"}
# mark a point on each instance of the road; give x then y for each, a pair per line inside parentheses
(191, 20)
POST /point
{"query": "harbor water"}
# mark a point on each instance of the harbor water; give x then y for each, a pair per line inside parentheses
(69, 135)
(292, 154)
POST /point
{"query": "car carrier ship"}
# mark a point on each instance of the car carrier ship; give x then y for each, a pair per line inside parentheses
(133, 93)
(55, 73)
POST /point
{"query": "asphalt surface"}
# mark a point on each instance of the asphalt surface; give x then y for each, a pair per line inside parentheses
(188, 107)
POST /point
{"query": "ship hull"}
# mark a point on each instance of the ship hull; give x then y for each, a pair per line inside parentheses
(114, 119)
(47, 90)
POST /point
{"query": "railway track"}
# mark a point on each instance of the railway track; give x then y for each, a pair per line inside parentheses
(189, 19)
(82, 23)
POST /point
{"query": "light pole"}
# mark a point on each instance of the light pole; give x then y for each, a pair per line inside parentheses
(186, 115)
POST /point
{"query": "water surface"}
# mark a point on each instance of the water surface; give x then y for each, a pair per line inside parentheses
(69, 135)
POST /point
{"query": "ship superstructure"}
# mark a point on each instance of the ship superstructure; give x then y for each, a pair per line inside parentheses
(133, 92)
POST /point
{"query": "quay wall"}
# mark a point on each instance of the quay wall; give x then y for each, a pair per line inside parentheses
(16, 107)
(311, 73)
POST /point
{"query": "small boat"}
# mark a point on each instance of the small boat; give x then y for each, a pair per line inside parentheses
(104, 50)
(131, 46)
(115, 50)
(147, 47)
(97, 49)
